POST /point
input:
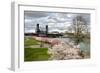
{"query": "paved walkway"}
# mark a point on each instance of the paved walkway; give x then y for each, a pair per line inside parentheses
(39, 46)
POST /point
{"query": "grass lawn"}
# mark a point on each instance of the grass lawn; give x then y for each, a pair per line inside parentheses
(36, 54)
(30, 41)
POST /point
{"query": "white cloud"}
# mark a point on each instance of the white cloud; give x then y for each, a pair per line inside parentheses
(28, 20)
(60, 21)
(29, 30)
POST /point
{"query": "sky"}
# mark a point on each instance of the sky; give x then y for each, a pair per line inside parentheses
(54, 20)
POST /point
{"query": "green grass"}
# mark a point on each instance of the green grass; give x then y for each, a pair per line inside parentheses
(30, 41)
(36, 54)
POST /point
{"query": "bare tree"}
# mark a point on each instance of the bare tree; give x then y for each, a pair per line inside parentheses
(80, 28)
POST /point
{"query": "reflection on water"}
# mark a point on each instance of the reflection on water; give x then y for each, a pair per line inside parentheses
(85, 46)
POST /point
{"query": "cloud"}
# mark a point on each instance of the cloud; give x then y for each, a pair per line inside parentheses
(60, 21)
(35, 14)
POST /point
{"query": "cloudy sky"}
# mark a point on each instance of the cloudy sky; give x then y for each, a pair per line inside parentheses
(54, 20)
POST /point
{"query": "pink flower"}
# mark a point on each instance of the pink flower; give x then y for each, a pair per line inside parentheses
(55, 42)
